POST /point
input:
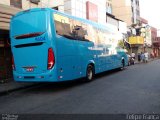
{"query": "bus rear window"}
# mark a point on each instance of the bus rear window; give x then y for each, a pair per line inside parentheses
(29, 24)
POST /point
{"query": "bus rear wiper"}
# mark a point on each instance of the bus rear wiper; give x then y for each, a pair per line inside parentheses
(29, 35)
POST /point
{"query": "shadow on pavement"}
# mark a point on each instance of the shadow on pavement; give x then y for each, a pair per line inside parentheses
(63, 86)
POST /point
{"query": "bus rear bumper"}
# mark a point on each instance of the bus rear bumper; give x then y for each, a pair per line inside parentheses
(43, 77)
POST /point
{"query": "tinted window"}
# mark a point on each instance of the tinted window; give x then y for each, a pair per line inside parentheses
(63, 26)
(77, 30)
(70, 28)
(29, 22)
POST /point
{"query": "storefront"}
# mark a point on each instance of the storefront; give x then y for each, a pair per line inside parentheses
(6, 13)
(156, 48)
(5, 55)
(137, 44)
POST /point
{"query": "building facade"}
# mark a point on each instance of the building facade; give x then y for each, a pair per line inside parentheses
(87, 9)
(158, 32)
(145, 32)
(100, 12)
(130, 8)
(156, 47)
(155, 41)
(6, 13)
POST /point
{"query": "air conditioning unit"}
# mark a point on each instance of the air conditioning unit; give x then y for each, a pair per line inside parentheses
(35, 1)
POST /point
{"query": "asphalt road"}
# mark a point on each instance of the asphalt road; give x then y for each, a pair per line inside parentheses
(133, 90)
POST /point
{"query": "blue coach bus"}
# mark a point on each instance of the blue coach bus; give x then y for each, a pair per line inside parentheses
(50, 46)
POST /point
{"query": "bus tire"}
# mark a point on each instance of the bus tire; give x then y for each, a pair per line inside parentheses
(90, 73)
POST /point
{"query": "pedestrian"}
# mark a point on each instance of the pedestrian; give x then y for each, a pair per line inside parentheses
(142, 57)
(133, 58)
(129, 59)
(133, 55)
(152, 55)
(146, 56)
(139, 57)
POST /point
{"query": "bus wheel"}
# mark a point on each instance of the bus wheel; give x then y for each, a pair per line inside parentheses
(90, 73)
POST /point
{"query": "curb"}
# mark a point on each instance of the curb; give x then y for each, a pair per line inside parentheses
(8, 91)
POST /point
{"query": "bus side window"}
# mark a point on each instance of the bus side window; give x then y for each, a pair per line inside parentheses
(66, 28)
(63, 29)
(81, 33)
(86, 36)
(59, 28)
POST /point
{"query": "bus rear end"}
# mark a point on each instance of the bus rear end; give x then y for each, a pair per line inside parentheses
(32, 47)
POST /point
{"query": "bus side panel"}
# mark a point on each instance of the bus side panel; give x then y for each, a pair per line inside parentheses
(84, 55)
(73, 58)
(103, 60)
(65, 55)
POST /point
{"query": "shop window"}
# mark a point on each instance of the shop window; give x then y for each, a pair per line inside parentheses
(16, 3)
(35, 1)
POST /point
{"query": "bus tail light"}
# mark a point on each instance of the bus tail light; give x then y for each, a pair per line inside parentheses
(51, 59)
(13, 65)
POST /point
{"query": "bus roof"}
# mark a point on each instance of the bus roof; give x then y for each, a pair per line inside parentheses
(107, 27)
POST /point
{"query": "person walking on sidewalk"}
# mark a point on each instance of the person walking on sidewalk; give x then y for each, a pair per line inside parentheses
(133, 58)
(133, 55)
(139, 57)
(142, 57)
(146, 56)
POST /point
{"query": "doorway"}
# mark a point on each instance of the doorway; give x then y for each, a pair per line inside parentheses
(5, 56)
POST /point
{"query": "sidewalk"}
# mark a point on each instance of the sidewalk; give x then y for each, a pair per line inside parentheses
(11, 86)
(149, 60)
